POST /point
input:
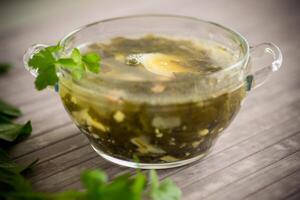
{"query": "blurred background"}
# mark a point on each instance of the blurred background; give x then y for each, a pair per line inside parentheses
(46, 21)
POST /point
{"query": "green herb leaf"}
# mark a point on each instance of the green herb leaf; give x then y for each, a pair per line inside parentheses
(76, 56)
(166, 190)
(96, 185)
(46, 77)
(10, 177)
(91, 61)
(138, 185)
(93, 178)
(7, 163)
(4, 119)
(10, 132)
(67, 62)
(4, 67)
(44, 62)
(122, 187)
(11, 181)
(77, 73)
(44, 58)
(9, 110)
(48, 62)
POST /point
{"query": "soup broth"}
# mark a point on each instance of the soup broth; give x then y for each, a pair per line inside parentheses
(152, 120)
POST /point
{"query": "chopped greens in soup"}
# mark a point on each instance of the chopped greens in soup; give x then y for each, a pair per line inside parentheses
(144, 110)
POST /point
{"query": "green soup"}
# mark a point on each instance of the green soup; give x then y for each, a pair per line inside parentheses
(148, 116)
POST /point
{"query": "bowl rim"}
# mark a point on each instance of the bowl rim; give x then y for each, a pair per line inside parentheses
(242, 60)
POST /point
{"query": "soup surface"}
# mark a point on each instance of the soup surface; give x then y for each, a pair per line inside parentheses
(150, 118)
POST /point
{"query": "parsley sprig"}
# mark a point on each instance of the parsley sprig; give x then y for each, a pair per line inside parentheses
(9, 130)
(48, 62)
(165, 190)
(96, 187)
(14, 185)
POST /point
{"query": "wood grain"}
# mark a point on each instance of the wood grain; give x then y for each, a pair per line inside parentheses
(258, 156)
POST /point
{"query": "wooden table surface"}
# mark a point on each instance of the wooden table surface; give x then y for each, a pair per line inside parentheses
(257, 157)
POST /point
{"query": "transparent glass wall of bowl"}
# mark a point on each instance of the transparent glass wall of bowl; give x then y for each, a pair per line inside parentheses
(136, 26)
(170, 26)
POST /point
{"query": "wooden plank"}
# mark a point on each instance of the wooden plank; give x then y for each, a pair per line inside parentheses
(295, 196)
(75, 155)
(15, 77)
(49, 119)
(72, 175)
(34, 146)
(263, 178)
(281, 189)
(242, 169)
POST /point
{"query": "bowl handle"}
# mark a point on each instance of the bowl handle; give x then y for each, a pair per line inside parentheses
(29, 54)
(265, 58)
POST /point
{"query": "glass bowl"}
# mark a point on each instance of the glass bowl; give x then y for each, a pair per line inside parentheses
(165, 123)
